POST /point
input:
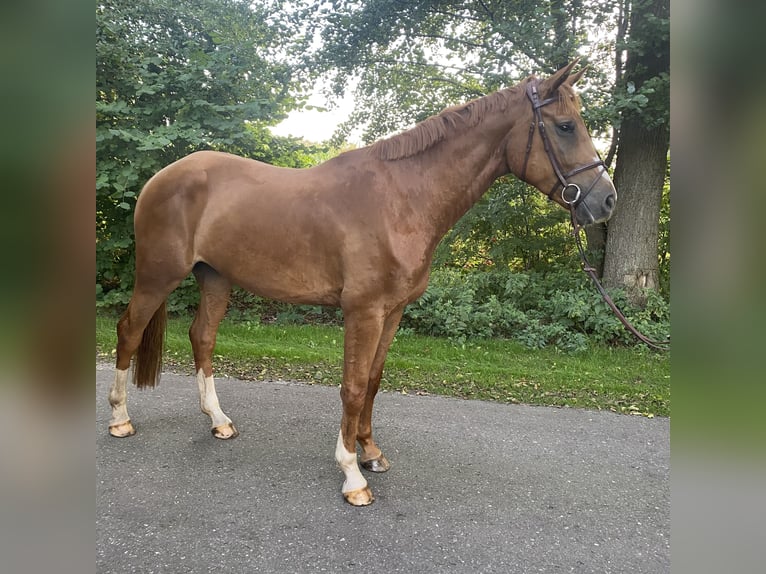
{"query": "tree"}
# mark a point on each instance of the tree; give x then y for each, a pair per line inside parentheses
(172, 78)
(631, 258)
(409, 60)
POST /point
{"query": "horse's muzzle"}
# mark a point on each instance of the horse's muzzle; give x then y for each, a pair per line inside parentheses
(596, 208)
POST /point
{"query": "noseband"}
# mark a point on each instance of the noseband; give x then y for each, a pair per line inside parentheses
(576, 196)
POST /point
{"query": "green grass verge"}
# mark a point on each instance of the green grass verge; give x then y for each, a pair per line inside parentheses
(631, 381)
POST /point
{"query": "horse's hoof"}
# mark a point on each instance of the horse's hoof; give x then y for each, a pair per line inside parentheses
(379, 464)
(225, 431)
(121, 430)
(359, 497)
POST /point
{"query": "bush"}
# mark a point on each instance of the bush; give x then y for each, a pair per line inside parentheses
(558, 309)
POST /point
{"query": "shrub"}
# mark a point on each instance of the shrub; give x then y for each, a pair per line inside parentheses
(558, 309)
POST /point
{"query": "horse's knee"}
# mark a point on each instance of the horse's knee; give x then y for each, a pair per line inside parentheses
(353, 399)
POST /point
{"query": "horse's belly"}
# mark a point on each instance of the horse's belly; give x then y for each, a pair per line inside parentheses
(293, 292)
(298, 282)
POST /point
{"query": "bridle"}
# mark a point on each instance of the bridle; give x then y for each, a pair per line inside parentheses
(575, 200)
(563, 183)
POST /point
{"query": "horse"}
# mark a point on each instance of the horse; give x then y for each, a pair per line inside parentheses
(357, 232)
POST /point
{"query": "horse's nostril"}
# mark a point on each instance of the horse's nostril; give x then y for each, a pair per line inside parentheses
(610, 200)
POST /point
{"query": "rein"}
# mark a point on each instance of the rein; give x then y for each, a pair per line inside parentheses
(572, 204)
(590, 271)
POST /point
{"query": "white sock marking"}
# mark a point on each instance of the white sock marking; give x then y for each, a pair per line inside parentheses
(347, 462)
(118, 398)
(208, 400)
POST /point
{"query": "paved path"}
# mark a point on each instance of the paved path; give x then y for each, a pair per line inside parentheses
(474, 487)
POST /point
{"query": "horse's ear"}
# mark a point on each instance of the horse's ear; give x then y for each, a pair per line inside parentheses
(574, 78)
(550, 84)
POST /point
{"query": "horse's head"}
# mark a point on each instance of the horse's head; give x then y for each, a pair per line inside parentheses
(554, 152)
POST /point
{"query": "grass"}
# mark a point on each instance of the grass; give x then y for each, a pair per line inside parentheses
(624, 380)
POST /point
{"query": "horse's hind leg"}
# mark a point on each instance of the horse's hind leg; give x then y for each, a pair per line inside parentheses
(214, 299)
(120, 425)
(145, 312)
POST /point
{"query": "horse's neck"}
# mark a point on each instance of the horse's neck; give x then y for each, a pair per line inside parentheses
(458, 171)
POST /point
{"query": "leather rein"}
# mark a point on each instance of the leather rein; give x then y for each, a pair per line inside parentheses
(572, 202)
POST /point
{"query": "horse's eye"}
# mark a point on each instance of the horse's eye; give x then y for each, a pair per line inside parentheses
(566, 127)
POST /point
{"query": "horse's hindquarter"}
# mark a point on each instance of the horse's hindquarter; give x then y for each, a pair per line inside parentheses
(307, 236)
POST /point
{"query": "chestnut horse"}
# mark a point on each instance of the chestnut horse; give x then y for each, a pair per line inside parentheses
(356, 232)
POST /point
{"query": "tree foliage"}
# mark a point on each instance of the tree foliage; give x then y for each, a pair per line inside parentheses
(512, 226)
(409, 60)
(642, 88)
(406, 61)
(173, 78)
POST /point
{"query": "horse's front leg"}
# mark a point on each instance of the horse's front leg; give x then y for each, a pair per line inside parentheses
(362, 334)
(372, 458)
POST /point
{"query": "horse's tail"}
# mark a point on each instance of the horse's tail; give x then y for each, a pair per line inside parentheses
(148, 364)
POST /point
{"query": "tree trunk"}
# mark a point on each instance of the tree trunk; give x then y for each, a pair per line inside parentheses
(631, 245)
(630, 260)
(595, 235)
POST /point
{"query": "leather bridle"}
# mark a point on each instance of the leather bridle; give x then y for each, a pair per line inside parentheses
(575, 200)
(563, 178)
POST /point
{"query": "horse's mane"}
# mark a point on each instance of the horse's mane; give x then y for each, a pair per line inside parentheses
(431, 131)
(436, 128)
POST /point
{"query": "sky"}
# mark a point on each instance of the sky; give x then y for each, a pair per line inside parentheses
(314, 125)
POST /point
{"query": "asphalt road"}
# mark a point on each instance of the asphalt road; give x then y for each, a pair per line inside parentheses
(474, 486)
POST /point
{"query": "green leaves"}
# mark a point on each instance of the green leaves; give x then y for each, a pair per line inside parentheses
(172, 78)
(513, 226)
(441, 53)
(153, 142)
(556, 309)
(649, 101)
